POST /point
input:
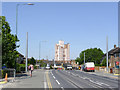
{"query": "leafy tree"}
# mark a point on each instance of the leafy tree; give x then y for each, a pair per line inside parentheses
(32, 61)
(91, 55)
(42, 64)
(9, 53)
(79, 60)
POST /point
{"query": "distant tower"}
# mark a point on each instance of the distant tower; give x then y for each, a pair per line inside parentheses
(62, 51)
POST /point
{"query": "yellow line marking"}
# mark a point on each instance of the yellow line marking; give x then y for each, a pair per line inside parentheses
(3, 82)
(116, 74)
(48, 81)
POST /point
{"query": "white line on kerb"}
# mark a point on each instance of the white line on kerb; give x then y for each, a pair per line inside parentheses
(57, 82)
(45, 86)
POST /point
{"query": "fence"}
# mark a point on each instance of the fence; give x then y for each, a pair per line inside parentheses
(10, 73)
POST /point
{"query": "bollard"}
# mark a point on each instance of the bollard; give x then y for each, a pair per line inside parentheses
(6, 77)
(14, 73)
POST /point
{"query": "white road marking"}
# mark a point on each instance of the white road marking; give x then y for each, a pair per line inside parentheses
(54, 77)
(105, 84)
(62, 88)
(51, 73)
(57, 82)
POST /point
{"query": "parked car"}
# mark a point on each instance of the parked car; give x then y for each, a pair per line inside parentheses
(47, 67)
(69, 67)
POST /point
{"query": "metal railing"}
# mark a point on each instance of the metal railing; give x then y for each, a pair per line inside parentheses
(10, 73)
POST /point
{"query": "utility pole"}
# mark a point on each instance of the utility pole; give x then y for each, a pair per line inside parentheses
(39, 53)
(84, 57)
(0, 58)
(107, 52)
(26, 50)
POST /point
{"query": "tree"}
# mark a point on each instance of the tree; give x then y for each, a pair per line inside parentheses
(9, 53)
(79, 60)
(32, 61)
(91, 55)
(42, 63)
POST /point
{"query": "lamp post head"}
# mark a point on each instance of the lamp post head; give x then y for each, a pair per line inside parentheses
(30, 4)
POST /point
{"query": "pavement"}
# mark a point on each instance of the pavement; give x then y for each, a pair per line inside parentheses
(105, 74)
(36, 81)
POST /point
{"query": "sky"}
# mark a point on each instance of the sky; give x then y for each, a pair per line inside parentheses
(82, 24)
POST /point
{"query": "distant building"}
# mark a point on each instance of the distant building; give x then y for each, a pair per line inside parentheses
(62, 51)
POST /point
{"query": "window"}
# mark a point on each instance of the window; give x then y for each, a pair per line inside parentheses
(115, 55)
(109, 56)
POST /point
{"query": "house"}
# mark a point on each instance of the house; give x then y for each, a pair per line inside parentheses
(114, 57)
(20, 59)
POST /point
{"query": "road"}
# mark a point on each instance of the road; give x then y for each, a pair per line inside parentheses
(80, 79)
(65, 79)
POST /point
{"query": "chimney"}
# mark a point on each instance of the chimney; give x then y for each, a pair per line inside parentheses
(114, 46)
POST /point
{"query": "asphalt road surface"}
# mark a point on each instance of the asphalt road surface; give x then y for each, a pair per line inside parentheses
(78, 79)
(64, 79)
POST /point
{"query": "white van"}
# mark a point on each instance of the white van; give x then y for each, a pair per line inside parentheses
(89, 66)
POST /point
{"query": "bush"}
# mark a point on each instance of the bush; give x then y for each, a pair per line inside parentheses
(22, 67)
(17, 68)
(97, 64)
(10, 73)
(35, 67)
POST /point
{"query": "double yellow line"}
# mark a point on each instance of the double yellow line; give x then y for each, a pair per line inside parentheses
(48, 81)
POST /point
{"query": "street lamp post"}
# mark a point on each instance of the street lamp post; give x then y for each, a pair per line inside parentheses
(107, 53)
(84, 57)
(17, 22)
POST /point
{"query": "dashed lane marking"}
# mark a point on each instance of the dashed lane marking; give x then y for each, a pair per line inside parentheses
(57, 82)
(54, 77)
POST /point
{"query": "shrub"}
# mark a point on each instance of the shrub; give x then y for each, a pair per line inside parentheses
(10, 73)
(35, 67)
(17, 68)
